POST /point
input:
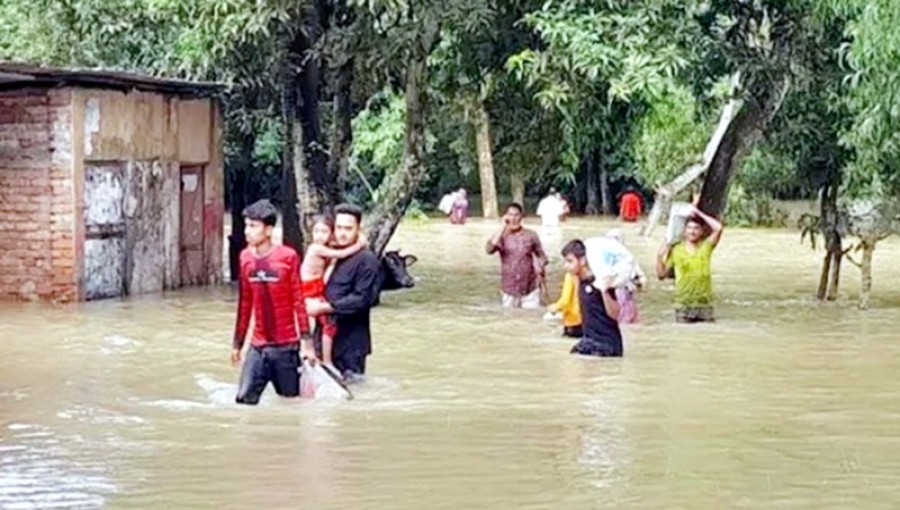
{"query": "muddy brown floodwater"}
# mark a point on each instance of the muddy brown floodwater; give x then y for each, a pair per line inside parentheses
(784, 403)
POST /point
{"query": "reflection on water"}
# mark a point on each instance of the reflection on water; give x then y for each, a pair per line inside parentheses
(36, 473)
(784, 403)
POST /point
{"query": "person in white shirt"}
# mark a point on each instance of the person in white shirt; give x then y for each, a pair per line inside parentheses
(550, 208)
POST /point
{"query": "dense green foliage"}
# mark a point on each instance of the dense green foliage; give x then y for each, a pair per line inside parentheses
(580, 94)
(872, 95)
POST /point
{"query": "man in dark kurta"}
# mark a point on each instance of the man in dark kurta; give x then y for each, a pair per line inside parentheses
(351, 292)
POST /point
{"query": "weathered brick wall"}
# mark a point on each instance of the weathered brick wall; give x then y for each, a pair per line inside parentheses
(36, 195)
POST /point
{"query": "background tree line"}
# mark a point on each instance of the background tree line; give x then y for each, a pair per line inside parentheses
(391, 103)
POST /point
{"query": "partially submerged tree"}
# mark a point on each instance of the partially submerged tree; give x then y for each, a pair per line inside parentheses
(871, 180)
(756, 41)
(405, 35)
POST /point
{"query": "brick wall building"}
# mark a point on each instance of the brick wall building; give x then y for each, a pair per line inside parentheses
(36, 208)
(110, 184)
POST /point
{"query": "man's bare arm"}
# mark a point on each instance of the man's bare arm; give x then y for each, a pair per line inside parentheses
(610, 304)
(714, 225)
(539, 253)
(495, 242)
(337, 253)
(662, 258)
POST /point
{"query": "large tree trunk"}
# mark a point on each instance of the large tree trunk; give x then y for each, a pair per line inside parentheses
(829, 281)
(397, 190)
(292, 233)
(606, 201)
(305, 188)
(666, 194)
(747, 127)
(400, 187)
(485, 161)
(238, 191)
(517, 188)
(741, 135)
(341, 132)
(314, 156)
(580, 192)
(342, 38)
(592, 186)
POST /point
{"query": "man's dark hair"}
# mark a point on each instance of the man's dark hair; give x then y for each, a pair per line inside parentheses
(515, 205)
(350, 209)
(262, 210)
(574, 247)
(700, 222)
(696, 219)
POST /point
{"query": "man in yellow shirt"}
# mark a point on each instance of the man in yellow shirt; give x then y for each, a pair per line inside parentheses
(691, 258)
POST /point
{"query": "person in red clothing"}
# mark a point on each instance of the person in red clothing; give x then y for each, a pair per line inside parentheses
(631, 205)
(270, 292)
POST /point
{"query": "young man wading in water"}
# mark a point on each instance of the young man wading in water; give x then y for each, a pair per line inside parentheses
(522, 261)
(599, 310)
(691, 258)
(270, 291)
(350, 294)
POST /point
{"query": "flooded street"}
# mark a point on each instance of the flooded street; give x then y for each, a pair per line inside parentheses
(784, 403)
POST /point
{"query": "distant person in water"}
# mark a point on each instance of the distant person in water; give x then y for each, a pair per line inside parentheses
(631, 205)
(350, 294)
(459, 210)
(446, 203)
(599, 309)
(522, 261)
(691, 260)
(625, 293)
(550, 209)
(316, 270)
(270, 292)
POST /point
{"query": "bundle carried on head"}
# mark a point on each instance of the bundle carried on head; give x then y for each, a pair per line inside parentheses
(446, 204)
(678, 217)
(608, 256)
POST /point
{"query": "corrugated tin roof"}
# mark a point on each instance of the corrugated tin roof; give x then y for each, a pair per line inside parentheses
(13, 76)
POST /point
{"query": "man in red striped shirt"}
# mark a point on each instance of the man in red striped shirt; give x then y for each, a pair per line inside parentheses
(270, 292)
